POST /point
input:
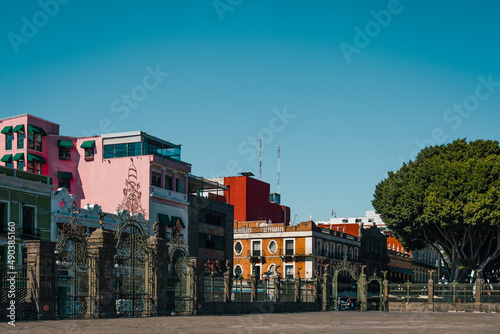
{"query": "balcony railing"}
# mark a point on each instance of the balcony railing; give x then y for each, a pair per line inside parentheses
(168, 194)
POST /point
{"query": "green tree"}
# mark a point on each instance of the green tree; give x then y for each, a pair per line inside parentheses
(449, 196)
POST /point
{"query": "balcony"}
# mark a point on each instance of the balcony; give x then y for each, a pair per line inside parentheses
(161, 193)
(255, 254)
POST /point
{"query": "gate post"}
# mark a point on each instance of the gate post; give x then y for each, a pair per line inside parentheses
(327, 290)
(385, 283)
(253, 282)
(228, 286)
(41, 277)
(297, 289)
(277, 289)
(101, 273)
(430, 288)
(477, 295)
(362, 286)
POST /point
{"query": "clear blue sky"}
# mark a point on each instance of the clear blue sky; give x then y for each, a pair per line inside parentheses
(231, 66)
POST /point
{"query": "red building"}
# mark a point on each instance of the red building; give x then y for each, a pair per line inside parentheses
(252, 200)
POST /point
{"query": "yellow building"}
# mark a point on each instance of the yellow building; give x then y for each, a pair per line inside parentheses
(296, 251)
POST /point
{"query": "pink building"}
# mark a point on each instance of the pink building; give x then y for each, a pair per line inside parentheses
(95, 168)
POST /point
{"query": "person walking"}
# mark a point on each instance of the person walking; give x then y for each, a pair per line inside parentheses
(386, 304)
(339, 304)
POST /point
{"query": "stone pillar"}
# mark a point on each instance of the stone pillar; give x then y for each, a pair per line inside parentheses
(163, 177)
(102, 272)
(228, 285)
(477, 295)
(385, 284)
(327, 290)
(253, 286)
(41, 277)
(297, 289)
(277, 289)
(362, 286)
(430, 289)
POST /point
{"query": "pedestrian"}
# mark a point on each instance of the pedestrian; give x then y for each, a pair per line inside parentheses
(386, 304)
(339, 304)
(349, 304)
(358, 304)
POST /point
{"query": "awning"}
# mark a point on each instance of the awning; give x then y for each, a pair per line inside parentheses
(65, 144)
(35, 129)
(34, 157)
(7, 129)
(88, 144)
(175, 219)
(7, 158)
(65, 175)
(18, 156)
(164, 220)
(18, 128)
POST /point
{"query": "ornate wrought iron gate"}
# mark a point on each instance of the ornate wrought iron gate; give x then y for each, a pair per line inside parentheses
(75, 287)
(181, 273)
(349, 267)
(134, 263)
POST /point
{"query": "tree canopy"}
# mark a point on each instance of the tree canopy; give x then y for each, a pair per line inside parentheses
(449, 196)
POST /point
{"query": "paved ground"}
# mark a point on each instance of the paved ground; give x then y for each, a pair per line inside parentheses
(313, 322)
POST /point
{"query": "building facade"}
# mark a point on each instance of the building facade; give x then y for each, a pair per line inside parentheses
(296, 251)
(25, 202)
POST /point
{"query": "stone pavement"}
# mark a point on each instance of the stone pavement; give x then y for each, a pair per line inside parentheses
(312, 322)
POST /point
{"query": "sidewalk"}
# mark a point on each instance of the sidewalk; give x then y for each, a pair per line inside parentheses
(314, 322)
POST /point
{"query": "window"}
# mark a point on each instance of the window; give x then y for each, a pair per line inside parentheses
(3, 217)
(20, 139)
(356, 255)
(65, 183)
(35, 141)
(121, 150)
(238, 271)
(333, 249)
(214, 218)
(326, 249)
(238, 248)
(289, 271)
(358, 220)
(256, 248)
(28, 222)
(318, 248)
(209, 241)
(273, 247)
(155, 179)
(20, 164)
(180, 185)
(89, 153)
(35, 167)
(339, 251)
(350, 253)
(64, 153)
(8, 141)
(344, 220)
(289, 247)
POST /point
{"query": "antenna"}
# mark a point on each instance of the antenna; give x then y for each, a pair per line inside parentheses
(260, 159)
(278, 169)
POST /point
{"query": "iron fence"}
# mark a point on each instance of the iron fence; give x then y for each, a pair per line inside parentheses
(490, 293)
(14, 277)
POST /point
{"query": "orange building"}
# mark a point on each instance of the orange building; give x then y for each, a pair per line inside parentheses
(289, 251)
